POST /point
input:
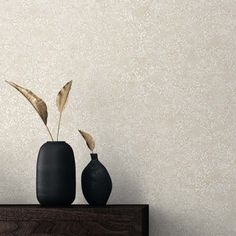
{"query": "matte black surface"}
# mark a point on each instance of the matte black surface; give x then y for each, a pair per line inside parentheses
(96, 182)
(55, 178)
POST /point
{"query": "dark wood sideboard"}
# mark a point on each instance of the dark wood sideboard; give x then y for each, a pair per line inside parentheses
(82, 220)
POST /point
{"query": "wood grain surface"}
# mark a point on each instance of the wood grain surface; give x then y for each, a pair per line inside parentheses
(82, 220)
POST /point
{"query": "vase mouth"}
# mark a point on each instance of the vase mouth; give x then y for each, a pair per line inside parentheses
(94, 156)
(56, 141)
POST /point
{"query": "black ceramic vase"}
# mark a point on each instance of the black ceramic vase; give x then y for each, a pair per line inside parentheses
(55, 177)
(96, 182)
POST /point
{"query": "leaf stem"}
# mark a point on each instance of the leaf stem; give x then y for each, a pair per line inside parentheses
(49, 132)
(59, 124)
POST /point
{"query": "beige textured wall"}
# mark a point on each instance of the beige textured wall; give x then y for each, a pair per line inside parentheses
(154, 82)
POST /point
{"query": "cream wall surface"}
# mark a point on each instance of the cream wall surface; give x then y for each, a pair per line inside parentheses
(153, 81)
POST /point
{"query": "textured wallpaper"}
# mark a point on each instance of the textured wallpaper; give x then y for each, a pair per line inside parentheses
(153, 81)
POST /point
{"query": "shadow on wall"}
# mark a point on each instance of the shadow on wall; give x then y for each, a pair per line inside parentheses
(126, 188)
(169, 224)
(161, 223)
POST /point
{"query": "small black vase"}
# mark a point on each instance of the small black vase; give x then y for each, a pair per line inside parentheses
(55, 177)
(96, 182)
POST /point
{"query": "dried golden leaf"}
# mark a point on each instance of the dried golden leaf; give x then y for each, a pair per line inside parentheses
(63, 96)
(88, 139)
(38, 104)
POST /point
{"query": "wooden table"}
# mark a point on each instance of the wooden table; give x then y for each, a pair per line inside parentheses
(82, 220)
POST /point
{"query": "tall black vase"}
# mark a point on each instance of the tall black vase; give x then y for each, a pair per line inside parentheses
(55, 177)
(96, 182)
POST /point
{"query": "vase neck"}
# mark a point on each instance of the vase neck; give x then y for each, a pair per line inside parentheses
(94, 156)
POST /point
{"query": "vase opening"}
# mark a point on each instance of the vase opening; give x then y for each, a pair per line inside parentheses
(94, 156)
(55, 141)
